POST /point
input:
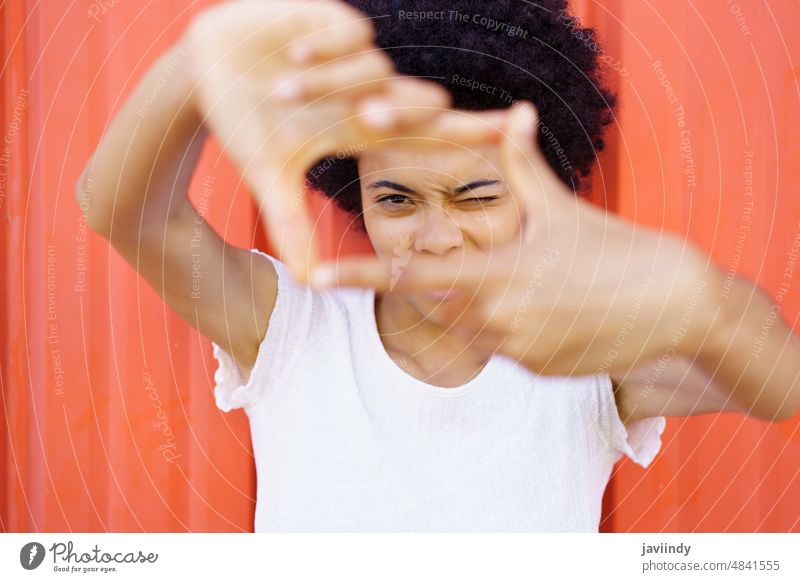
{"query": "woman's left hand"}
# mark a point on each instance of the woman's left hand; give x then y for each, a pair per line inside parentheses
(580, 291)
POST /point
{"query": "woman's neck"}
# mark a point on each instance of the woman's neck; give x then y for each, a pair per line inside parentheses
(408, 335)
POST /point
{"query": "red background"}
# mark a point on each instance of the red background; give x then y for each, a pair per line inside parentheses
(78, 447)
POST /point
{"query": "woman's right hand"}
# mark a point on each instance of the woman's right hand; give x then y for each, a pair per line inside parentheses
(284, 83)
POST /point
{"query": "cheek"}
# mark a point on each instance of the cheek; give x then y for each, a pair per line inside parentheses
(388, 235)
(495, 227)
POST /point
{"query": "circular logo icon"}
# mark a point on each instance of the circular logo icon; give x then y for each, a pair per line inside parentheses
(31, 555)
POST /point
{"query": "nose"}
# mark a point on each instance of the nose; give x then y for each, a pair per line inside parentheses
(438, 233)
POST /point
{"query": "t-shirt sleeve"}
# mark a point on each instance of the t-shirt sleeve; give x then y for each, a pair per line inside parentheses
(640, 440)
(287, 331)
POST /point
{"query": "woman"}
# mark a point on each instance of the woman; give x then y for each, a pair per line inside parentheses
(374, 410)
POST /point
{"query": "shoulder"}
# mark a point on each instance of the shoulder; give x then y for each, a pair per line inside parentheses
(303, 315)
(626, 402)
(626, 428)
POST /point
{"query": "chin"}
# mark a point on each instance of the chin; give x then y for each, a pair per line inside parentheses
(430, 309)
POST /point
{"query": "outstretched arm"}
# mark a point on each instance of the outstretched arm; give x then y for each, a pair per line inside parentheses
(133, 191)
(749, 363)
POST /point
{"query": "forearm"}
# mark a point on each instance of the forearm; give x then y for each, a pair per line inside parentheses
(143, 165)
(753, 354)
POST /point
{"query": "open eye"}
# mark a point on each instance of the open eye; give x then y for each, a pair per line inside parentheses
(394, 201)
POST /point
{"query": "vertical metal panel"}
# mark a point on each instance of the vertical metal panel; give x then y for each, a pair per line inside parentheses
(733, 68)
(17, 463)
(83, 353)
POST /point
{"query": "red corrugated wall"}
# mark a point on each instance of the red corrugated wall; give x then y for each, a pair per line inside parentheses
(89, 354)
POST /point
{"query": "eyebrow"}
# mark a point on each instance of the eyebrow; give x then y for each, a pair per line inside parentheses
(460, 190)
(474, 185)
(392, 185)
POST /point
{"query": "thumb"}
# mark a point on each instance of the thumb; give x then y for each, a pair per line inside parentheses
(419, 274)
(533, 183)
(284, 211)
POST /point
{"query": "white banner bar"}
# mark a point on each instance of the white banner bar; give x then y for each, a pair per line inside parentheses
(400, 557)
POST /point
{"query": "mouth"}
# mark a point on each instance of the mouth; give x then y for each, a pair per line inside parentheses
(442, 294)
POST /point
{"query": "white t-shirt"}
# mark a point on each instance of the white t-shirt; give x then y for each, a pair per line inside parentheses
(345, 440)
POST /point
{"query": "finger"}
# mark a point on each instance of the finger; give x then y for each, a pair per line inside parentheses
(528, 174)
(337, 30)
(405, 101)
(288, 222)
(420, 274)
(518, 159)
(457, 127)
(247, 26)
(353, 77)
(431, 128)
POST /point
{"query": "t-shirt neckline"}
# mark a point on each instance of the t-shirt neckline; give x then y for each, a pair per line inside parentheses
(376, 346)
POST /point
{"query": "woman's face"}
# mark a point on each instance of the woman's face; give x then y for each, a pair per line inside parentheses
(435, 203)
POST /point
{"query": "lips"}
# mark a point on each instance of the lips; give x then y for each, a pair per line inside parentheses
(442, 294)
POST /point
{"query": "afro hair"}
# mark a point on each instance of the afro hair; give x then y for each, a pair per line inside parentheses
(489, 55)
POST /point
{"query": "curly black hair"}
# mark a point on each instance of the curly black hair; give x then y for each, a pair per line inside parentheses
(489, 55)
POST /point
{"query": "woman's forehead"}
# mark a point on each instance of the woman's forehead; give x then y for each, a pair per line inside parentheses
(446, 161)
